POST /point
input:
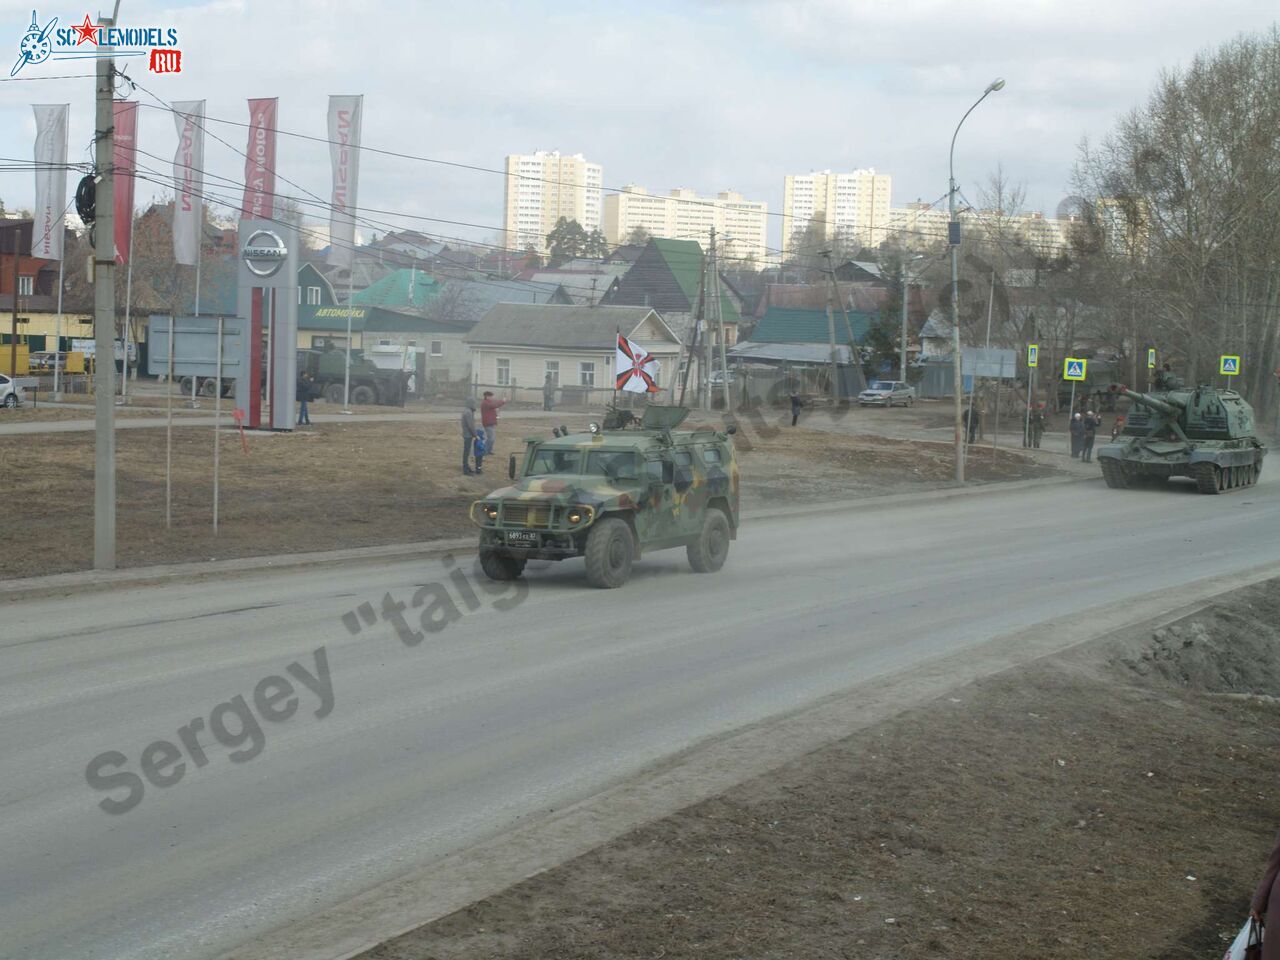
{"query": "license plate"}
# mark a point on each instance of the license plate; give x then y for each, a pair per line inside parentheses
(524, 538)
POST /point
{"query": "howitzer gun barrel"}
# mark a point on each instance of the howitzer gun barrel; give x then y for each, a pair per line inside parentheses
(1169, 408)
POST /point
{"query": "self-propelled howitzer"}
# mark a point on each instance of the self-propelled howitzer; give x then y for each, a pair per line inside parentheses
(1202, 433)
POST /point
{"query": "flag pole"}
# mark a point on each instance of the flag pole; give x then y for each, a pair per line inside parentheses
(617, 338)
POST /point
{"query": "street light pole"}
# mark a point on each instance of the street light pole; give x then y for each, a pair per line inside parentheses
(953, 238)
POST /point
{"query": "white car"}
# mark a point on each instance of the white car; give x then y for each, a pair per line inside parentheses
(11, 393)
(887, 393)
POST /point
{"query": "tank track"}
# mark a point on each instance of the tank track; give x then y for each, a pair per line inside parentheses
(1114, 473)
(1210, 478)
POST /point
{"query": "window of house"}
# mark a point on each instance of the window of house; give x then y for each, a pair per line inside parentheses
(313, 296)
(384, 343)
(587, 373)
(411, 343)
(26, 286)
(553, 371)
(504, 372)
(437, 348)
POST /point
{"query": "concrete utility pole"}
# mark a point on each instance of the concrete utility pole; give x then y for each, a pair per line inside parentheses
(104, 316)
(715, 300)
(831, 335)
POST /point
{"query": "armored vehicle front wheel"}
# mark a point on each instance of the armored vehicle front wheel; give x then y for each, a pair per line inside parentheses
(363, 395)
(500, 566)
(609, 553)
(707, 554)
(333, 393)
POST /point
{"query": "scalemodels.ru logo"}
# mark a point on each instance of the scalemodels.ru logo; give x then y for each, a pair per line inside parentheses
(89, 40)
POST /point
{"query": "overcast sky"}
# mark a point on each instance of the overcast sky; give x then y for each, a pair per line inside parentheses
(663, 93)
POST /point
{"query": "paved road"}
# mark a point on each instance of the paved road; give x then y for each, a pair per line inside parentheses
(517, 707)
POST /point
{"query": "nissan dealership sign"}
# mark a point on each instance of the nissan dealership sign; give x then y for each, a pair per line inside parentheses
(264, 253)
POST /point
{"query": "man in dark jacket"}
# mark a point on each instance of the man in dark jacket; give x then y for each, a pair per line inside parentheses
(1091, 422)
(970, 418)
(1077, 434)
(470, 431)
(796, 404)
(303, 391)
(1037, 425)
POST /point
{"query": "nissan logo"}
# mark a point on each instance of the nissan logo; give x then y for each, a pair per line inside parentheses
(263, 253)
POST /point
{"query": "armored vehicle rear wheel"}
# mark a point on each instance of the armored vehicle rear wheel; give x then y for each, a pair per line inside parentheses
(707, 554)
(500, 566)
(609, 553)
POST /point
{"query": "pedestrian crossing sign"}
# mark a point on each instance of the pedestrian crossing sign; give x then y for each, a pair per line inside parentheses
(1033, 354)
(1074, 368)
(1151, 358)
(1229, 366)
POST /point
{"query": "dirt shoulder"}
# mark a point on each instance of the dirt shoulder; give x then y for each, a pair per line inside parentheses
(369, 483)
(1114, 801)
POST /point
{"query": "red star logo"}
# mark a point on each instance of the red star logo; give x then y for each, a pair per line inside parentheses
(87, 31)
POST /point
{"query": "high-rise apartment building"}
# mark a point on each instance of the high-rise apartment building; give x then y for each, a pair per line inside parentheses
(681, 214)
(541, 188)
(924, 226)
(853, 207)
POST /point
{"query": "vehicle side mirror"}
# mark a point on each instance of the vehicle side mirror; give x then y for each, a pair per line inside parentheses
(668, 471)
(511, 466)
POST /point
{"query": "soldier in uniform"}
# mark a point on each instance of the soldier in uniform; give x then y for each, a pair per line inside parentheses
(1037, 425)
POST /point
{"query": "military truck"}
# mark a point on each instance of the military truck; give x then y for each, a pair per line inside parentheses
(1205, 434)
(611, 494)
(369, 382)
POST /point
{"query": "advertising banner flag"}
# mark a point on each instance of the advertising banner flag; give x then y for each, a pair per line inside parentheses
(260, 162)
(188, 181)
(51, 180)
(124, 159)
(344, 158)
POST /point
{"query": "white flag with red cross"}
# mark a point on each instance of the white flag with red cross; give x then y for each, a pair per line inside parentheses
(637, 368)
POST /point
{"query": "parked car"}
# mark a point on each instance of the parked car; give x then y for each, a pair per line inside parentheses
(887, 393)
(11, 393)
(48, 360)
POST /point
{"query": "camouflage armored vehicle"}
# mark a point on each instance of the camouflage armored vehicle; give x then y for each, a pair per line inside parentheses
(610, 495)
(1205, 434)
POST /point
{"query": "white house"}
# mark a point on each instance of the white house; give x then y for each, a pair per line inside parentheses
(516, 346)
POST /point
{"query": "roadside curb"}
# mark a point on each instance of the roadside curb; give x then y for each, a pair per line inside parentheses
(31, 588)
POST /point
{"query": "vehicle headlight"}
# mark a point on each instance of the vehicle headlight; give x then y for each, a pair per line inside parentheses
(574, 516)
(490, 510)
(578, 514)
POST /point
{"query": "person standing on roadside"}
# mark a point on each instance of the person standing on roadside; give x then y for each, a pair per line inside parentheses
(548, 392)
(1266, 901)
(1077, 435)
(796, 404)
(970, 418)
(1088, 435)
(1037, 426)
(303, 393)
(489, 418)
(469, 434)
